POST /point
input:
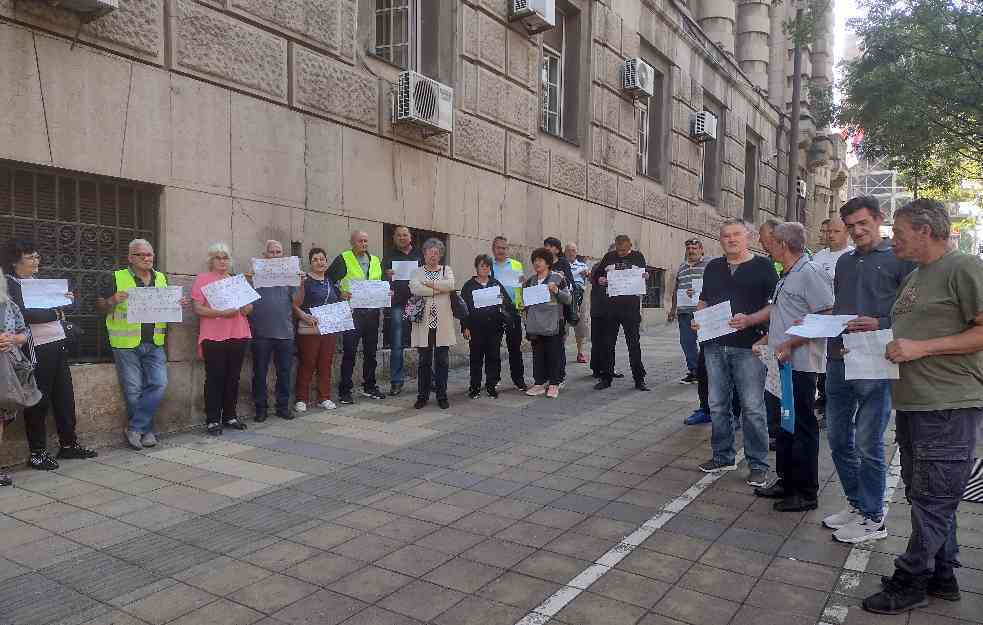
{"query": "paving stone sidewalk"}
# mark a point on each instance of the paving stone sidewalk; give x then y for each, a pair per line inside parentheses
(378, 514)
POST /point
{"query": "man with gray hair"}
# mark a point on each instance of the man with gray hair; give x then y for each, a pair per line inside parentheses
(802, 289)
(938, 400)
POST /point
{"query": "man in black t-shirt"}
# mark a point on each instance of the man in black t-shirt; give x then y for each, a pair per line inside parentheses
(621, 311)
(402, 251)
(748, 283)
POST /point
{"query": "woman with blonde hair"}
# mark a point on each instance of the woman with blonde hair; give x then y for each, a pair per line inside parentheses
(434, 333)
(223, 336)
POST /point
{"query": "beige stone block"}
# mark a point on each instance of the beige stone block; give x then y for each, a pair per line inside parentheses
(417, 177)
(254, 223)
(99, 404)
(23, 133)
(696, 218)
(631, 196)
(515, 211)
(325, 173)
(193, 220)
(182, 338)
(479, 142)
(602, 186)
(624, 223)
(595, 230)
(461, 252)
(372, 178)
(456, 208)
(619, 153)
(498, 8)
(317, 23)
(607, 26)
(507, 103)
(561, 216)
(470, 35)
(147, 140)
(200, 141)
(328, 87)
(329, 232)
(529, 160)
(492, 41)
(83, 85)
(523, 59)
(568, 174)
(677, 211)
(135, 29)
(656, 202)
(467, 94)
(627, 119)
(492, 196)
(222, 48)
(268, 144)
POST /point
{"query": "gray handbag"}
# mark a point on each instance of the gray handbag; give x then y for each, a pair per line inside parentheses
(18, 388)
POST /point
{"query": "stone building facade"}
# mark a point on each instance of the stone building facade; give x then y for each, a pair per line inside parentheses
(243, 120)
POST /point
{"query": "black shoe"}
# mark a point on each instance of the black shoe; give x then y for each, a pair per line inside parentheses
(474, 393)
(374, 392)
(901, 593)
(76, 452)
(260, 417)
(41, 461)
(522, 387)
(940, 587)
(420, 403)
(5, 480)
(214, 429)
(617, 375)
(233, 423)
(795, 503)
(491, 391)
(775, 491)
(345, 398)
(443, 403)
(772, 444)
(286, 414)
(640, 386)
(603, 384)
(395, 390)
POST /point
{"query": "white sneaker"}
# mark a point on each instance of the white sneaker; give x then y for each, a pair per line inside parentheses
(300, 407)
(327, 404)
(149, 440)
(861, 531)
(843, 518)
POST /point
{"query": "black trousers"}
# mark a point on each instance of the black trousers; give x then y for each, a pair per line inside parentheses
(821, 389)
(55, 383)
(513, 343)
(596, 344)
(797, 454)
(485, 349)
(223, 363)
(547, 359)
(367, 331)
(433, 368)
(610, 328)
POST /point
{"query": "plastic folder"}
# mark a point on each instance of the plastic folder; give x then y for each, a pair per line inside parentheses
(788, 400)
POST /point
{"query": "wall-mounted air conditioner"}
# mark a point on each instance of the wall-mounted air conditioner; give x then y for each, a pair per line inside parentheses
(638, 77)
(535, 15)
(87, 8)
(801, 187)
(424, 102)
(702, 126)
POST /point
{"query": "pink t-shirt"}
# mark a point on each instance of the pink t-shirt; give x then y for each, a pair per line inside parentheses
(217, 328)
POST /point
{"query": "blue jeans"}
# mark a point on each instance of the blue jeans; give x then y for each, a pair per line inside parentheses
(281, 351)
(857, 414)
(687, 341)
(397, 326)
(143, 377)
(730, 369)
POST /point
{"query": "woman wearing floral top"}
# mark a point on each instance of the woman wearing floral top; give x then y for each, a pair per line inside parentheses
(434, 334)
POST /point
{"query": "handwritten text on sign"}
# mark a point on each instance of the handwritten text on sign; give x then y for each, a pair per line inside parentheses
(276, 271)
(371, 294)
(332, 318)
(45, 293)
(713, 321)
(229, 293)
(626, 282)
(154, 305)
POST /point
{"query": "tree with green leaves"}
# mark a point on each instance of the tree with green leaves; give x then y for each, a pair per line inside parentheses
(916, 91)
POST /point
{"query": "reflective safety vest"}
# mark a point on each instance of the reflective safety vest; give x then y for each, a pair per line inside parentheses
(517, 291)
(354, 270)
(123, 335)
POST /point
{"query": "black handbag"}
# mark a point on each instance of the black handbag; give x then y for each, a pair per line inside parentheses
(458, 306)
(73, 331)
(571, 311)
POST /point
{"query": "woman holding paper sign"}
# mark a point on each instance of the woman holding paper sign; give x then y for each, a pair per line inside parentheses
(434, 335)
(316, 350)
(222, 339)
(484, 326)
(544, 325)
(50, 354)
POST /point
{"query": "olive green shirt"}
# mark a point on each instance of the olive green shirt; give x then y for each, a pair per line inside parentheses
(938, 300)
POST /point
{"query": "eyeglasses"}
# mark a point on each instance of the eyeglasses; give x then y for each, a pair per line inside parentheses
(693, 242)
(34, 256)
(142, 254)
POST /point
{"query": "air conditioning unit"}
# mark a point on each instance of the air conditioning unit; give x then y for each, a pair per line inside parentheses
(702, 126)
(801, 187)
(638, 77)
(424, 102)
(535, 15)
(87, 8)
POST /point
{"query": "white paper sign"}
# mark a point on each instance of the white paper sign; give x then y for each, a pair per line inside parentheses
(284, 271)
(44, 333)
(370, 294)
(403, 269)
(626, 282)
(821, 326)
(532, 295)
(713, 321)
(865, 359)
(509, 279)
(152, 305)
(332, 318)
(229, 293)
(41, 293)
(683, 300)
(491, 296)
(773, 379)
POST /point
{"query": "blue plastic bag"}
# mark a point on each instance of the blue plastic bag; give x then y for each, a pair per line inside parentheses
(788, 400)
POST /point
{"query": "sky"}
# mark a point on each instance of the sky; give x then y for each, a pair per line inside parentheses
(844, 10)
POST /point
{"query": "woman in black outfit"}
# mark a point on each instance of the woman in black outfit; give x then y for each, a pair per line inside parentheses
(484, 328)
(54, 378)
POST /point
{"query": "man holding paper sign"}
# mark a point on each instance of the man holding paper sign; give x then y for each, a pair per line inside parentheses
(508, 271)
(138, 349)
(685, 298)
(399, 266)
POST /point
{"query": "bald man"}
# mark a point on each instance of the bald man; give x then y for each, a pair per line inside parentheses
(357, 264)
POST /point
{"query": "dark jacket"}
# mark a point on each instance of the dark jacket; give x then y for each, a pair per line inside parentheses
(490, 318)
(31, 315)
(623, 306)
(401, 288)
(562, 265)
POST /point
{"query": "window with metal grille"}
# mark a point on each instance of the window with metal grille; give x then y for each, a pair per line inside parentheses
(654, 288)
(552, 91)
(642, 117)
(82, 226)
(395, 32)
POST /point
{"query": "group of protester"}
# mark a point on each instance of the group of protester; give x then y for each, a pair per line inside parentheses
(929, 295)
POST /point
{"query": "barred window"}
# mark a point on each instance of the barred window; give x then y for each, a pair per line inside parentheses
(82, 226)
(654, 288)
(642, 118)
(395, 31)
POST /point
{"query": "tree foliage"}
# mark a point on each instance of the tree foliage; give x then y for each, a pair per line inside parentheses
(916, 91)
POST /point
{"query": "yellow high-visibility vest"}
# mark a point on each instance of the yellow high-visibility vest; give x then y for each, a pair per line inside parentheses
(354, 270)
(123, 335)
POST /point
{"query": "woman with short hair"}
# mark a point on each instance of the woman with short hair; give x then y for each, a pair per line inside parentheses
(316, 350)
(13, 335)
(484, 327)
(434, 333)
(54, 378)
(545, 326)
(223, 336)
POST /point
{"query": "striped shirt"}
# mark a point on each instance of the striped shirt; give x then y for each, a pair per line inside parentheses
(684, 279)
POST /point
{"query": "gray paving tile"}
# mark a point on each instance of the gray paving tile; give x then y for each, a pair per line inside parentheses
(325, 568)
(421, 600)
(579, 503)
(100, 576)
(589, 608)
(221, 612)
(273, 593)
(371, 583)
(34, 599)
(518, 590)
(259, 518)
(160, 553)
(321, 608)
